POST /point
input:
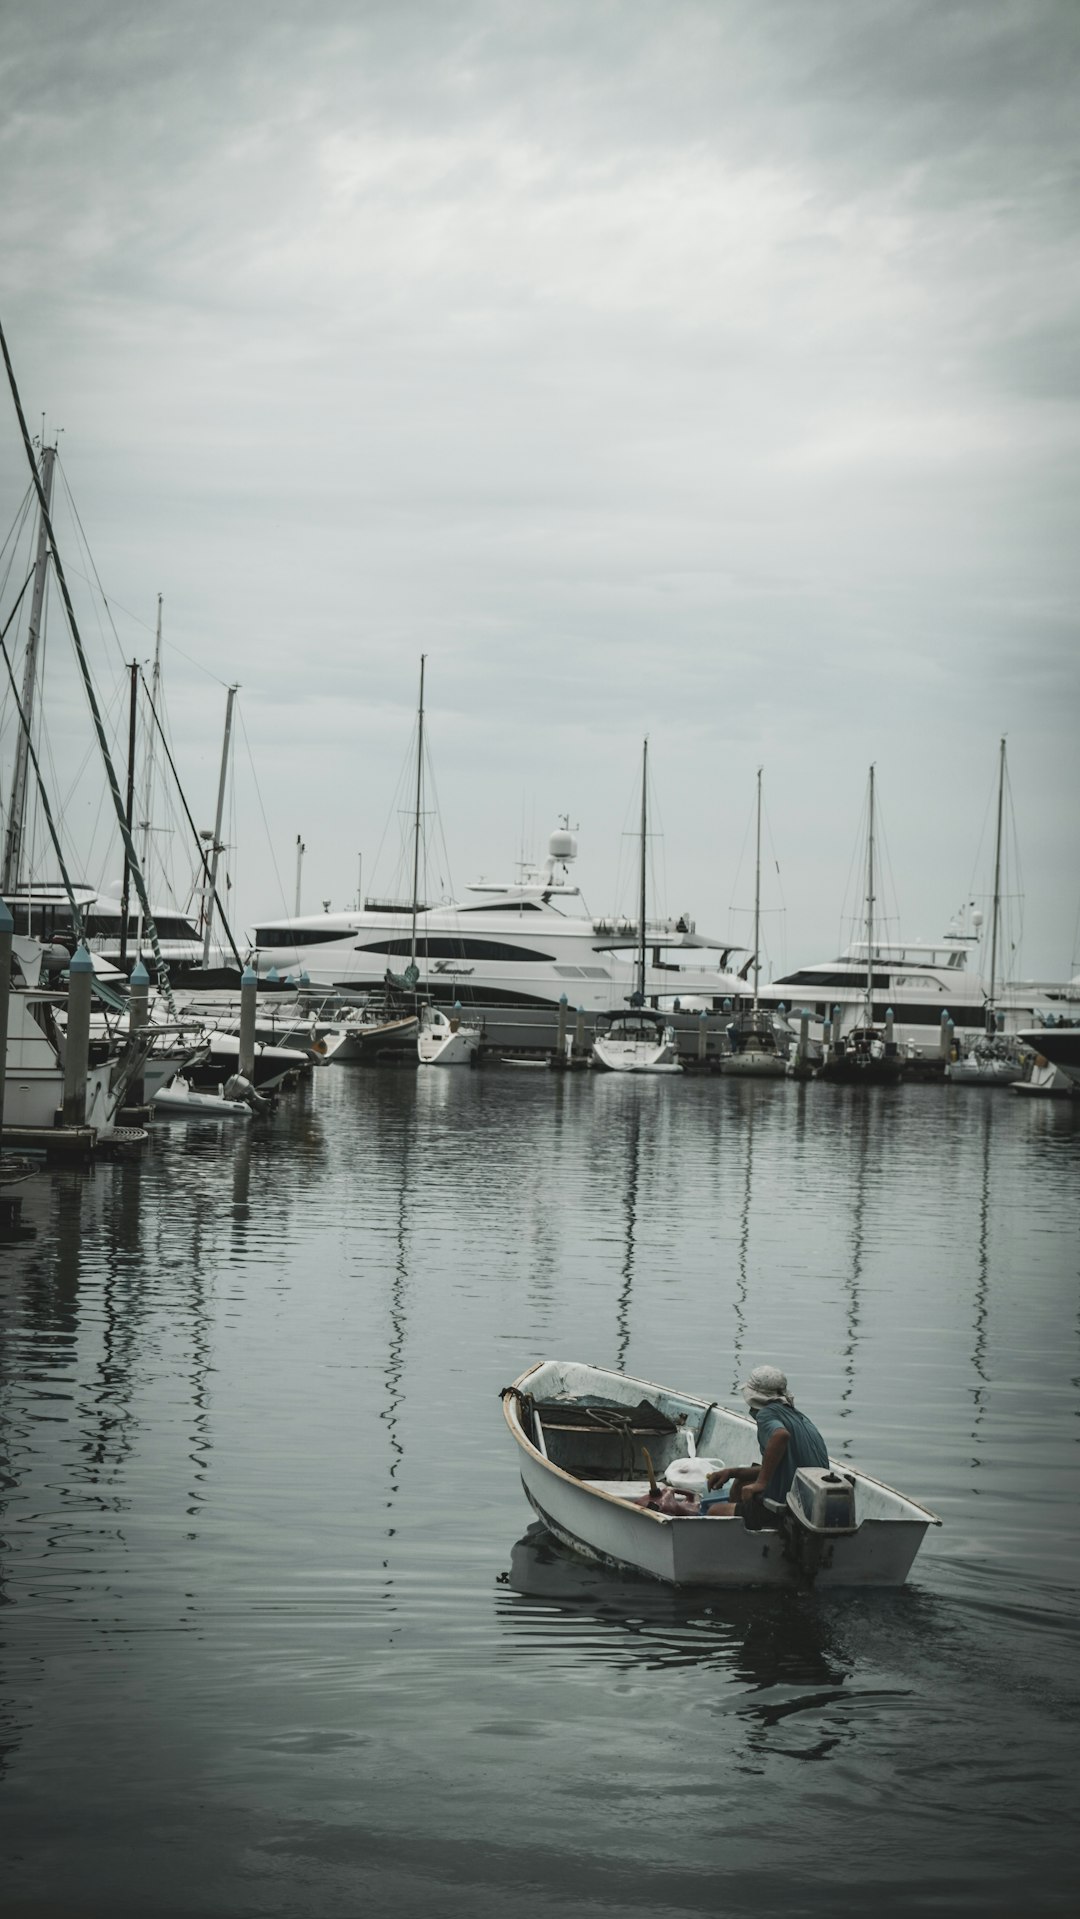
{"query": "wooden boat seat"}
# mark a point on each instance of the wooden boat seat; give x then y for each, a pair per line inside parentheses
(566, 1416)
(596, 1439)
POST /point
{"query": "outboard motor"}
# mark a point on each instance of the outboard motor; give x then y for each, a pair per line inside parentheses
(238, 1088)
(821, 1509)
(823, 1500)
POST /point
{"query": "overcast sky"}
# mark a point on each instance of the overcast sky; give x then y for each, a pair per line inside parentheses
(705, 370)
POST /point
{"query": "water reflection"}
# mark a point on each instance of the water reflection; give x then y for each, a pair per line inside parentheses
(394, 1369)
(804, 1674)
(633, 1167)
(241, 1183)
(109, 1435)
(786, 1652)
(853, 1284)
(982, 1285)
(742, 1283)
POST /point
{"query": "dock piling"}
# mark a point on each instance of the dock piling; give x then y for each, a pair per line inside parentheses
(138, 1011)
(77, 1038)
(249, 987)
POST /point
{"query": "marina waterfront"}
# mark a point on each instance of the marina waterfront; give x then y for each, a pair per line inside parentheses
(278, 1634)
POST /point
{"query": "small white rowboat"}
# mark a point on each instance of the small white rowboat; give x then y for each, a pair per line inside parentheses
(582, 1435)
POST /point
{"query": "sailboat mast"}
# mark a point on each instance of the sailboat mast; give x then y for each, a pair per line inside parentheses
(416, 814)
(995, 915)
(9, 879)
(215, 849)
(148, 769)
(641, 899)
(870, 906)
(88, 684)
(129, 807)
(757, 896)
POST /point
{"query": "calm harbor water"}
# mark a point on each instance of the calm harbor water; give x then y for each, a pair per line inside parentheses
(277, 1635)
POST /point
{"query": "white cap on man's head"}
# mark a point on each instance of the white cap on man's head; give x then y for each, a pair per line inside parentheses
(764, 1384)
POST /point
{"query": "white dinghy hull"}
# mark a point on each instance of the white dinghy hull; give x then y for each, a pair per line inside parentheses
(591, 1517)
(179, 1097)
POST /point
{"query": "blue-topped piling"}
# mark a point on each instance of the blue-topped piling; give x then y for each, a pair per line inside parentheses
(77, 1037)
(249, 989)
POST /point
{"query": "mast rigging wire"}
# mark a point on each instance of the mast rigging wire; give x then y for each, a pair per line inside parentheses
(95, 711)
(46, 808)
(183, 801)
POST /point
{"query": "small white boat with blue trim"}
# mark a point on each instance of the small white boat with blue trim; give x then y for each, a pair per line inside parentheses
(591, 1442)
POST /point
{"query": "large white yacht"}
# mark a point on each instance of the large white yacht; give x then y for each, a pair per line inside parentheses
(43, 912)
(524, 943)
(922, 983)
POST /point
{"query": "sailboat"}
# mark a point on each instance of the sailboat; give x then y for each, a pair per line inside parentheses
(637, 1039)
(756, 1048)
(992, 1059)
(864, 1056)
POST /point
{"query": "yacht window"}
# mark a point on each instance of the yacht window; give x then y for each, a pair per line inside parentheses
(435, 946)
(290, 936)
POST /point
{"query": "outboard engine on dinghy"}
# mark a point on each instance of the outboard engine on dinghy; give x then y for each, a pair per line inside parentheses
(820, 1510)
(823, 1500)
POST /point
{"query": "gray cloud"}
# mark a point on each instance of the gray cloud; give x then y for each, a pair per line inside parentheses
(706, 370)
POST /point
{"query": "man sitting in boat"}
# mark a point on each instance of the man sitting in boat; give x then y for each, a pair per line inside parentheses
(787, 1439)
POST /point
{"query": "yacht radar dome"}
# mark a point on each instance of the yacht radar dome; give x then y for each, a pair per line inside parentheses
(562, 846)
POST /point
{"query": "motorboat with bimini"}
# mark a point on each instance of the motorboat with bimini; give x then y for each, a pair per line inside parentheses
(593, 1443)
(637, 1039)
(447, 1039)
(759, 1043)
(865, 1055)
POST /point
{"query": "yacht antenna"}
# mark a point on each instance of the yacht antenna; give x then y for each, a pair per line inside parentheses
(757, 896)
(990, 1022)
(870, 906)
(641, 902)
(210, 895)
(416, 816)
(9, 880)
(301, 849)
